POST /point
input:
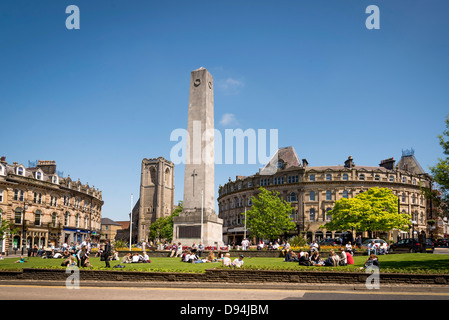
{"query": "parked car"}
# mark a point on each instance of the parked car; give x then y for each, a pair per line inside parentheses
(443, 242)
(330, 242)
(411, 245)
(378, 242)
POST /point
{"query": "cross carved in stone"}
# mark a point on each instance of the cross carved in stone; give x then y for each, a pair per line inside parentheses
(194, 174)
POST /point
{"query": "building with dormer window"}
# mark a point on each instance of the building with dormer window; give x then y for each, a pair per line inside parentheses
(41, 205)
(312, 192)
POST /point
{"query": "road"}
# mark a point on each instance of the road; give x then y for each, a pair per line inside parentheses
(36, 292)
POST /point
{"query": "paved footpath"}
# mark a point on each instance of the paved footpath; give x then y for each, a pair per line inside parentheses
(166, 291)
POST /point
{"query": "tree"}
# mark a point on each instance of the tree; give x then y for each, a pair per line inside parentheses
(6, 228)
(269, 216)
(440, 174)
(162, 228)
(373, 210)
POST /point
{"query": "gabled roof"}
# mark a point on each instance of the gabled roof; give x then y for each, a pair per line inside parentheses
(107, 221)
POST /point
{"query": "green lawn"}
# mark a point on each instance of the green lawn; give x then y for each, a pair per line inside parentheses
(408, 263)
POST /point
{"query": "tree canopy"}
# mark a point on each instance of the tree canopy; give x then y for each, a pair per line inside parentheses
(269, 216)
(440, 174)
(372, 210)
(162, 228)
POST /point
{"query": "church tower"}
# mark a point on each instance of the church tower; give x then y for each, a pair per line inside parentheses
(157, 192)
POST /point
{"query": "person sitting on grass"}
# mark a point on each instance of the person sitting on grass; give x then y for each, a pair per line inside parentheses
(127, 259)
(220, 255)
(238, 262)
(70, 261)
(383, 248)
(372, 261)
(343, 258)
(316, 259)
(333, 259)
(227, 260)
(211, 257)
(21, 260)
(350, 259)
(145, 258)
(304, 260)
(186, 256)
(135, 258)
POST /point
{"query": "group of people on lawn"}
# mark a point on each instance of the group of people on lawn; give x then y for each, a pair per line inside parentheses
(313, 258)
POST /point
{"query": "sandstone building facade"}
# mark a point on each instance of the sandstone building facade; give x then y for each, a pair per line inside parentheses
(157, 195)
(312, 192)
(45, 208)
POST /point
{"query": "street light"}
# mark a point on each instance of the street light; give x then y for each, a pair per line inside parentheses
(25, 207)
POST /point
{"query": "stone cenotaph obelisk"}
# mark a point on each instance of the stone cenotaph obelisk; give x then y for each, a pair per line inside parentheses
(198, 221)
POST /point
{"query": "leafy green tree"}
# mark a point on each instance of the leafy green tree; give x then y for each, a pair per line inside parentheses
(269, 216)
(162, 228)
(373, 210)
(440, 174)
(6, 228)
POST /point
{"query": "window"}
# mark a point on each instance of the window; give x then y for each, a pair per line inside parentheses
(312, 214)
(328, 195)
(404, 180)
(55, 179)
(362, 177)
(38, 198)
(37, 218)
(376, 177)
(77, 221)
(66, 200)
(292, 197)
(312, 196)
(413, 199)
(328, 177)
(20, 171)
(38, 175)
(54, 219)
(53, 201)
(278, 180)
(345, 176)
(18, 216)
(292, 179)
(18, 195)
(66, 218)
(2, 170)
(328, 216)
(85, 222)
(414, 182)
(403, 197)
(391, 178)
(312, 177)
(1, 195)
(345, 194)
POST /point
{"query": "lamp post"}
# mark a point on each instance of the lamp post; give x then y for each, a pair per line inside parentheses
(202, 213)
(131, 223)
(25, 207)
(244, 230)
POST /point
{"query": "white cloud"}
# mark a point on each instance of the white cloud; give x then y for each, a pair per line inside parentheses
(230, 85)
(228, 119)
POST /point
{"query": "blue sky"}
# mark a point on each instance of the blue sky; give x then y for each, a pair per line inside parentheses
(100, 99)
